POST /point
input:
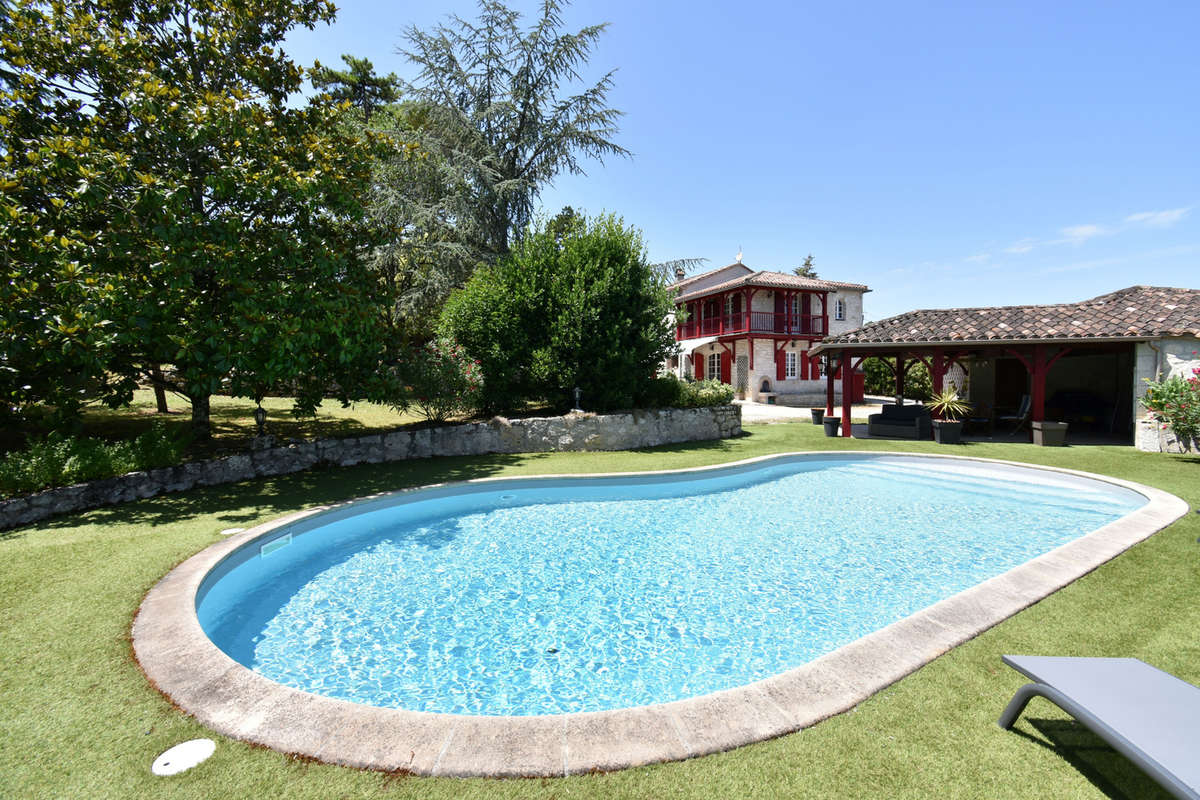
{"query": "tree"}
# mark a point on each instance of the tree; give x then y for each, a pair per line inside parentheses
(806, 270)
(497, 118)
(163, 205)
(357, 85)
(575, 304)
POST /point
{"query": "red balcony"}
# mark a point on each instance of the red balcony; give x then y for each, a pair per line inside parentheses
(764, 322)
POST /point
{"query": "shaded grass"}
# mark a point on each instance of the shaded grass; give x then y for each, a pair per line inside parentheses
(79, 720)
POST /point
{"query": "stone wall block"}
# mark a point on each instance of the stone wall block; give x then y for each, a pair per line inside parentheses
(422, 444)
(397, 445)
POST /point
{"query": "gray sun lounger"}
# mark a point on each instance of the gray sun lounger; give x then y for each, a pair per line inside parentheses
(1147, 715)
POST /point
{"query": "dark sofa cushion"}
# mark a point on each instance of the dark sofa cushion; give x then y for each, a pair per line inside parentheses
(909, 413)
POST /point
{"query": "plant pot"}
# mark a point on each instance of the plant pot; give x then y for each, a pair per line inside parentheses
(947, 431)
(831, 426)
(818, 414)
(1050, 434)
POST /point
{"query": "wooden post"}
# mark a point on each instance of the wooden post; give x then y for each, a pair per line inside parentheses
(938, 372)
(900, 379)
(829, 384)
(1037, 379)
(847, 390)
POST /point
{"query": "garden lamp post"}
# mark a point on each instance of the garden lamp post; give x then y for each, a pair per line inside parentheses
(260, 418)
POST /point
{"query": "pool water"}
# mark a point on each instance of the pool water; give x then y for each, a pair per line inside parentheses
(564, 595)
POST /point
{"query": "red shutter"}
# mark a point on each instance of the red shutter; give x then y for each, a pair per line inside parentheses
(803, 365)
(779, 365)
(726, 367)
(815, 367)
(698, 364)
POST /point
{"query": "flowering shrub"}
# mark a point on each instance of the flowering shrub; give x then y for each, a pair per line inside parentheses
(1175, 404)
(667, 391)
(443, 381)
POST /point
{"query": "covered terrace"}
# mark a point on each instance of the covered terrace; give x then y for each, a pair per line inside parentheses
(1081, 363)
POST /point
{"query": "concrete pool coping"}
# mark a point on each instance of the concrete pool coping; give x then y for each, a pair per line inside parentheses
(185, 666)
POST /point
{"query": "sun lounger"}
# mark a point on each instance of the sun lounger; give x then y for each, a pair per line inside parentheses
(1147, 715)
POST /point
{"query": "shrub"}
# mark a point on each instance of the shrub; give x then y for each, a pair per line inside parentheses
(575, 304)
(1174, 403)
(443, 382)
(711, 392)
(59, 460)
(667, 391)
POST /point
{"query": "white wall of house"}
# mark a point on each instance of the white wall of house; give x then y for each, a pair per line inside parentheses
(1163, 358)
(854, 312)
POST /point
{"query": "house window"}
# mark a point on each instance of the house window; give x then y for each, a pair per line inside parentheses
(839, 309)
(819, 361)
(714, 367)
(789, 365)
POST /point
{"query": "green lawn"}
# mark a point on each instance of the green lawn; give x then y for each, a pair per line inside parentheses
(77, 718)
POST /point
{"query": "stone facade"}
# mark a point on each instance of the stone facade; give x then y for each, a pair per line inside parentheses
(573, 432)
(1162, 358)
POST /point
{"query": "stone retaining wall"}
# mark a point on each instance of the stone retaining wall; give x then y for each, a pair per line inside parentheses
(500, 435)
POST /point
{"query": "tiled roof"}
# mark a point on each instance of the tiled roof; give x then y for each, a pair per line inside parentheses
(770, 280)
(1139, 312)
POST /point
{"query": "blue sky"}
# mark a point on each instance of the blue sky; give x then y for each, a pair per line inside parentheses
(942, 153)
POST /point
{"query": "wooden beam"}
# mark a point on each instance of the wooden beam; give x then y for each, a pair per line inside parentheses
(847, 390)
(829, 385)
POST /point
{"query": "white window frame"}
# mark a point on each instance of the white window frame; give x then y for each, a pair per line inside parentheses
(839, 309)
(790, 372)
(713, 372)
(821, 366)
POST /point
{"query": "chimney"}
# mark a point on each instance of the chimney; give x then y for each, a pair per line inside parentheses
(679, 273)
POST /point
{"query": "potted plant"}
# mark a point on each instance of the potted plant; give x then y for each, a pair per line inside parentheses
(948, 410)
(818, 414)
(831, 425)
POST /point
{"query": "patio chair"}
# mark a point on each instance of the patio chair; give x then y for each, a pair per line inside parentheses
(1147, 715)
(1019, 419)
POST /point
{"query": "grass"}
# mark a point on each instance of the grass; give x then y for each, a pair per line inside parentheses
(79, 720)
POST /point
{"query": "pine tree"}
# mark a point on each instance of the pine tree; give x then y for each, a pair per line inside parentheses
(806, 270)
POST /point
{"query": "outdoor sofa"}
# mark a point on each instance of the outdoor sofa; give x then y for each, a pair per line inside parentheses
(1149, 716)
(907, 422)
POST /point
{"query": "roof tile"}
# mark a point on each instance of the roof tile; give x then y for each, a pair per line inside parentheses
(1138, 312)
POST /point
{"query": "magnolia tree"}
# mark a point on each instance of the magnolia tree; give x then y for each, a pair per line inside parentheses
(162, 204)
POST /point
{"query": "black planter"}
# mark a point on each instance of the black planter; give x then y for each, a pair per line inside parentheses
(831, 426)
(947, 431)
(818, 415)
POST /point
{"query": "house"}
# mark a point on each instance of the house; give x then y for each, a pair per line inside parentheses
(1083, 363)
(754, 329)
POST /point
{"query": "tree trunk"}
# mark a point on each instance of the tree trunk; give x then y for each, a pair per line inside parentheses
(201, 430)
(160, 393)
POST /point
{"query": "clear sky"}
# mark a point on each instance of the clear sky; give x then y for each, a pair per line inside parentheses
(945, 154)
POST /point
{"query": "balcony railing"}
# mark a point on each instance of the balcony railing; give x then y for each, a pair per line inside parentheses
(753, 322)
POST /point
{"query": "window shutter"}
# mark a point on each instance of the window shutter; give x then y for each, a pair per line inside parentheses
(726, 367)
(779, 365)
(698, 365)
(803, 365)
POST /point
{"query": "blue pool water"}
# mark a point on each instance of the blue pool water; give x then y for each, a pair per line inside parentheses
(558, 595)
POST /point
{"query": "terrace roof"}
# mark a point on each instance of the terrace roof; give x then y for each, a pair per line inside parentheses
(1137, 312)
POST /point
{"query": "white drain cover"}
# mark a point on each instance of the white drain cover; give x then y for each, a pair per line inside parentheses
(183, 756)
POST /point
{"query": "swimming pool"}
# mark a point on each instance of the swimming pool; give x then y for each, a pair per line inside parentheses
(181, 661)
(553, 596)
